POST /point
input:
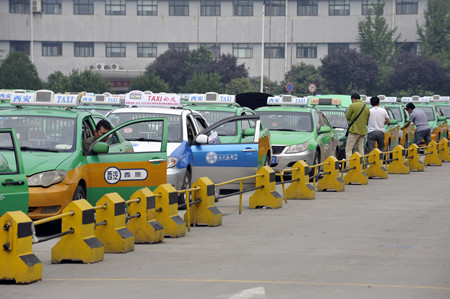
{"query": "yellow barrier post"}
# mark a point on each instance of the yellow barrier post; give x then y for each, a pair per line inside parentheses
(300, 189)
(431, 153)
(17, 260)
(81, 245)
(443, 150)
(143, 224)
(268, 195)
(331, 179)
(114, 235)
(376, 168)
(167, 205)
(205, 210)
(413, 158)
(398, 164)
(355, 174)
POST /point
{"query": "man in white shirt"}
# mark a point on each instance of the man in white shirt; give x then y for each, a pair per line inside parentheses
(377, 119)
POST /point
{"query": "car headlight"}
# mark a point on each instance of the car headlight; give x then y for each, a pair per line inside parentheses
(297, 148)
(172, 162)
(46, 179)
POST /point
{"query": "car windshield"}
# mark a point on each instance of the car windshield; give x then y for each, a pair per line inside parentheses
(286, 121)
(228, 129)
(146, 132)
(102, 111)
(446, 110)
(42, 133)
(396, 111)
(336, 118)
(428, 111)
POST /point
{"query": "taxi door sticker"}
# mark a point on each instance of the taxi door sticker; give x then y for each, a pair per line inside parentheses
(113, 175)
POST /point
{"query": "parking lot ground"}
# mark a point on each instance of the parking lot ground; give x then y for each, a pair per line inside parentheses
(388, 239)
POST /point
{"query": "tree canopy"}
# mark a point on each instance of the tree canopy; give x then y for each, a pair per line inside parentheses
(18, 72)
(150, 82)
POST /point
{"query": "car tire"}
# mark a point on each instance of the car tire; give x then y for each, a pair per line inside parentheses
(185, 185)
(80, 193)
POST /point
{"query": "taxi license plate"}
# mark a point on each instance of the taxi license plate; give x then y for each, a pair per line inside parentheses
(273, 161)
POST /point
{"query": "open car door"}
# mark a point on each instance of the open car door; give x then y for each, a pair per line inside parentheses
(227, 150)
(13, 181)
(125, 172)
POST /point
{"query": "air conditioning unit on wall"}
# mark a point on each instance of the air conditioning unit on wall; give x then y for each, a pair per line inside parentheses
(36, 6)
(115, 66)
(99, 66)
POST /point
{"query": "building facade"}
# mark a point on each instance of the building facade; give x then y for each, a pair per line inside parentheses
(119, 38)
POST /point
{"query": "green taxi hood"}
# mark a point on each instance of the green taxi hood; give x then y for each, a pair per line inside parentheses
(36, 162)
(288, 137)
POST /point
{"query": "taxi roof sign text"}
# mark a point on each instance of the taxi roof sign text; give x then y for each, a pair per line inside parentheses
(138, 98)
(212, 98)
(325, 101)
(287, 100)
(45, 98)
(100, 99)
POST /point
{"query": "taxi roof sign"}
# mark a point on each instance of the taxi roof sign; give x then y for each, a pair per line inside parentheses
(407, 99)
(212, 98)
(100, 99)
(425, 99)
(6, 95)
(389, 99)
(138, 98)
(287, 100)
(325, 101)
(45, 97)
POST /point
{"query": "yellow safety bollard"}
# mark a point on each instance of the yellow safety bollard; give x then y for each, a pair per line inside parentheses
(331, 179)
(204, 211)
(143, 224)
(414, 158)
(112, 231)
(355, 174)
(376, 168)
(17, 260)
(268, 195)
(167, 205)
(443, 150)
(431, 153)
(82, 244)
(398, 164)
(300, 189)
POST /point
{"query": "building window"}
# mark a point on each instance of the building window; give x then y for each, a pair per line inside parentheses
(83, 49)
(51, 7)
(116, 50)
(146, 50)
(243, 7)
(307, 7)
(51, 49)
(274, 51)
(210, 8)
(243, 50)
(339, 7)
(19, 6)
(306, 50)
(178, 8)
(19, 46)
(115, 7)
(213, 48)
(179, 46)
(83, 7)
(337, 48)
(406, 7)
(278, 8)
(367, 6)
(147, 7)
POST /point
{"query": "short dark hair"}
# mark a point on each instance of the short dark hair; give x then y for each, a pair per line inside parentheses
(103, 123)
(410, 106)
(356, 96)
(374, 101)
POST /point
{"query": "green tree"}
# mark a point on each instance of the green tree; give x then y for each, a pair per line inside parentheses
(202, 83)
(275, 88)
(301, 76)
(227, 67)
(87, 81)
(199, 61)
(58, 82)
(150, 82)
(18, 72)
(240, 85)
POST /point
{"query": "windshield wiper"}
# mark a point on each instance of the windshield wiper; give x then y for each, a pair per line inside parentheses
(143, 139)
(289, 130)
(6, 148)
(28, 148)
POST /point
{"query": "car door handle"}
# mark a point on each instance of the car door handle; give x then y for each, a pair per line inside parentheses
(157, 160)
(8, 183)
(249, 150)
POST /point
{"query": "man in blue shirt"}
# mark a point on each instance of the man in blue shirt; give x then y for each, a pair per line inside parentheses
(419, 118)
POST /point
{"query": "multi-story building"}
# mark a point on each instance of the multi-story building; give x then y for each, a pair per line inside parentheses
(119, 38)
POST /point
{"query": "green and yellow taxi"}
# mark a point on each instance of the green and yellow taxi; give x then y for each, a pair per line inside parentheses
(14, 187)
(53, 136)
(215, 107)
(335, 113)
(435, 116)
(297, 132)
(101, 103)
(444, 104)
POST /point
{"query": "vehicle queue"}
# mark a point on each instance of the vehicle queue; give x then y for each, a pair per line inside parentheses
(158, 139)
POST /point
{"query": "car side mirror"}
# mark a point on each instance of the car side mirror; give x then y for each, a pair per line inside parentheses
(100, 148)
(324, 129)
(442, 118)
(393, 122)
(201, 139)
(249, 132)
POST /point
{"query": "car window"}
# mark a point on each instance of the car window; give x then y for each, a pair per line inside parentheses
(439, 111)
(8, 159)
(390, 114)
(286, 120)
(428, 111)
(201, 123)
(445, 110)
(336, 118)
